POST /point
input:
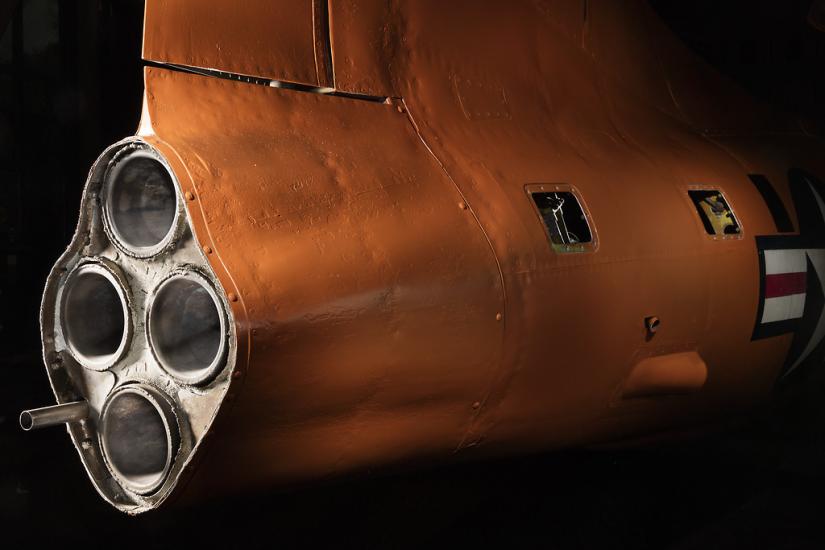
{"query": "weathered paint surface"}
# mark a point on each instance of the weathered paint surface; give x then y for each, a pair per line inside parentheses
(253, 37)
(367, 320)
(396, 295)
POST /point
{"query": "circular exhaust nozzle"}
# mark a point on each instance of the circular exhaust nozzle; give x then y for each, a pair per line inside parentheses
(187, 328)
(95, 316)
(140, 206)
(140, 437)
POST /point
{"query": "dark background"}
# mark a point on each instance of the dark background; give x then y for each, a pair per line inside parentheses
(71, 84)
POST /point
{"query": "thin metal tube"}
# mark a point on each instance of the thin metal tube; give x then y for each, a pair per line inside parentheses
(54, 415)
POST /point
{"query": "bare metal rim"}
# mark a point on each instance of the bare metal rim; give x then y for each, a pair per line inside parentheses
(128, 152)
(112, 274)
(207, 373)
(162, 405)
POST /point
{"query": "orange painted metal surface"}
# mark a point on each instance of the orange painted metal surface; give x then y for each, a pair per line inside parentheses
(532, 106)
(260, 38)
(332, 213)
(322, 208)
(670, 374)
(398, 299)
(363, 41)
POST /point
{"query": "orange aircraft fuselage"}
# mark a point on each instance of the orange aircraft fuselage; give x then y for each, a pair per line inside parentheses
(436, 231)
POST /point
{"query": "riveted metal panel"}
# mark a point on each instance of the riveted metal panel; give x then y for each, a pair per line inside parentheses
(273, 40)
(372, 297)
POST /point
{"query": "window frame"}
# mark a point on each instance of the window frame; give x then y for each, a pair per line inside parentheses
(697, 217)
(581, 248)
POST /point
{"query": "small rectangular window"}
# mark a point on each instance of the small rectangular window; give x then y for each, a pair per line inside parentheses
(715, 213)
(565, 220)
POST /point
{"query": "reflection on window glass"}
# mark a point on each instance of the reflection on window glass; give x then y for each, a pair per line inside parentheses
(716, 215)
(564, 219)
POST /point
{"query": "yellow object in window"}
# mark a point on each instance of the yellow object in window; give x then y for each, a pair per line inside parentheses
(717, 216)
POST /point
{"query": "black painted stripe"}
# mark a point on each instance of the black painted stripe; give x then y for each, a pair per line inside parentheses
(774, 202)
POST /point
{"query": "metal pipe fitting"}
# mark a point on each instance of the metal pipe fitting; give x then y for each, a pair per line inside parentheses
(54, 415)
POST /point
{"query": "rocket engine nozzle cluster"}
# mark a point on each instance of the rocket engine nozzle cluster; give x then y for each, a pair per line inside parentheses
(136, 331)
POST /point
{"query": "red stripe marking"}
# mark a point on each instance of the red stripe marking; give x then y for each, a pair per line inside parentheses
(785, 284)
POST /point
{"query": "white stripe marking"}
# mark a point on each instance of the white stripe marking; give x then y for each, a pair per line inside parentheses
(783, 308)
(778, 262)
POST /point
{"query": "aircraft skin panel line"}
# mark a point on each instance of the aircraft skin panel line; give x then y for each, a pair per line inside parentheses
(353, 237)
